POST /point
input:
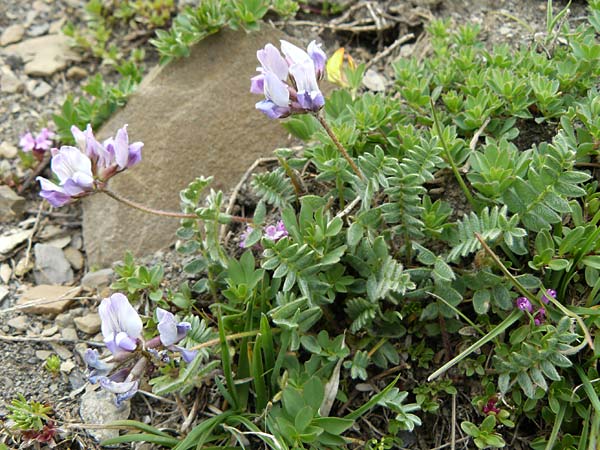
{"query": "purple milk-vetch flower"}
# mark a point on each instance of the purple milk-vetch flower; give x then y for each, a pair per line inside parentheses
(275, 232)
(172, 332)
(74, 172)
(524, 304)
(96, 366)
(121, 324)
(121, 384)
(539, 317)
(244, 236)
(289, 83)
(81, 170)
(549, 293)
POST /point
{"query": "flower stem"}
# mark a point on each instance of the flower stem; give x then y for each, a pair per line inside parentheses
(338, 144)
(160, 212)
(450, 160)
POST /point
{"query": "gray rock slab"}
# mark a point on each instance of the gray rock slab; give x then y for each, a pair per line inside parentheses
(98, 407)
(43, 55)
(11, 205)
(51, 265)
(196, 117)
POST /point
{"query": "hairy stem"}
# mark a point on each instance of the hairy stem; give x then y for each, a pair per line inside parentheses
(450, 160)
(160, 212)
(339, 146)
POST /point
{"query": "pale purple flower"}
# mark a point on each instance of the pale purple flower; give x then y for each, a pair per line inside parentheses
(27, 142)
(170, 331)
(38, 144)
(81, 170)
(244, 236)
(539, 317)
(524, 304)
(96, 366)
(74, 172)
(121, 324)
(289, 84)
(549, 293)
(121, 384)
(275, 232)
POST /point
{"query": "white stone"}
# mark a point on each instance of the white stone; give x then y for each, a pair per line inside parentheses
(9, 242)
(98, 407)
(7, 150)
(12, 34)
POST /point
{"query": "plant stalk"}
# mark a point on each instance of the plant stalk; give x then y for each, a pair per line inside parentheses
(160, 212)
(339, 145)
(457, 175)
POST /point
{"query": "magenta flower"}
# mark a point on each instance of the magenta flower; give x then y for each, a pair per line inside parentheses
(82, 170)
(275, 232)
(524, 304)
(549, 293)
(121, 324)
(38, 144)
(539, 317)
(490, 407)
(289, 84)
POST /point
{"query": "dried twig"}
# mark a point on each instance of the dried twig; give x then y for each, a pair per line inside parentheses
(236, 189)
(384, 53)
(4, 337)
(349, 207)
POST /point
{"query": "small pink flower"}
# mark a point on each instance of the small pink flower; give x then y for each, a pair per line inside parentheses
(244, 236)
(275, 232)
(539, 317)
(549, 293)
(524, 304)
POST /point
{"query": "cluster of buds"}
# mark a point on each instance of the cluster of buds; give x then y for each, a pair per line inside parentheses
(131, 355)
(270, 232)
(37, 145)
(290, 84)
(490, 407)
(83, 169)
(524, 304)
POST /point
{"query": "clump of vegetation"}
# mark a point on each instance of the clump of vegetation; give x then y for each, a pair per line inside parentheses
(444, 234)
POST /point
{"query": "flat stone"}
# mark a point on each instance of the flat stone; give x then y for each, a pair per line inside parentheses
(5, 273)
(374, 81)
(64, 320)
(90, 323)
(10, 83)
(51, 265)
(11, 204)
(38, 30)
(97, 280)
(43, 354)
(48, 299)
(67, 366)
(99, 407)
(60, 242)
(69, 333)
(3, 292)
(39, 89)
(199, 105)
(62, 351)
(74, 257)
(45, 55)
(20, 323)
(7, 150)
(12, 34)
(23, 266)
(50, 331)
(9, 242)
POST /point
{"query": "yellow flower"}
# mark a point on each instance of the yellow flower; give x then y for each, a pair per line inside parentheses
(335, 67)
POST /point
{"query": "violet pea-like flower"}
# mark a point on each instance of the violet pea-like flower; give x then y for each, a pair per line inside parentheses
(171, 332)
(121, 324)
(96, 366)
(549, 293)
(120, 384)
(74, 172)
(290, 84)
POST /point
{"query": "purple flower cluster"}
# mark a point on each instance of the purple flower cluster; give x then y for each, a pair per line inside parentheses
(290, 83)
(122, 331)
(270, 232)
(37, 145)
(81, 170)
(524, 304)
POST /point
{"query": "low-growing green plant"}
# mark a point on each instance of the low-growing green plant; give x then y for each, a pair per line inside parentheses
(52, 364)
